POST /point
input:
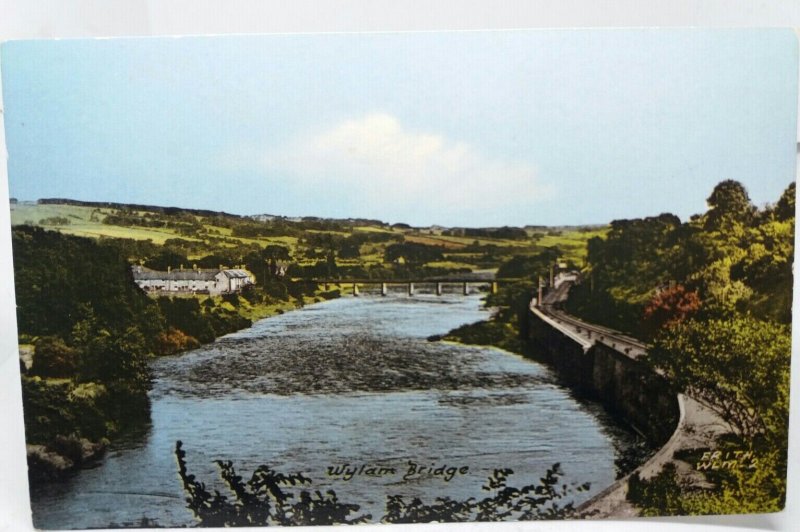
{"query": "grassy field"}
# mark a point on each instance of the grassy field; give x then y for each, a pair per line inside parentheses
(88, 222)
(572, 242)
(83, 223)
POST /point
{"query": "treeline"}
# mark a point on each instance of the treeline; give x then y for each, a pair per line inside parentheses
(182, 223)
(134, 207)
(505, 232)
(713, 297)
(734, 259)
(92, 331)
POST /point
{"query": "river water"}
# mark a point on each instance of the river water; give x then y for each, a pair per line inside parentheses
(348, 382)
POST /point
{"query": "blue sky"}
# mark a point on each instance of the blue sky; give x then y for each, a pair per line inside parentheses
(460, 128)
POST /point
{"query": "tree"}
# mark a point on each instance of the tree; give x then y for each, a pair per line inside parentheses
(350, 249)
(274, 254)
(54, 358)
(738, 366)
(728, 204)
(669, 307)
(166, 259)
(413, 253)
(784, 210)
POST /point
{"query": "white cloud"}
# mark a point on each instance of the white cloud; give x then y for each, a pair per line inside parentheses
(397, 171)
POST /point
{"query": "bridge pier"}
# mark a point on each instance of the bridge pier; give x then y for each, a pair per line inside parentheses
(384, 291)
(410, 289)
(325, 286)
(355, 289)
(438, 289)
(466, 288)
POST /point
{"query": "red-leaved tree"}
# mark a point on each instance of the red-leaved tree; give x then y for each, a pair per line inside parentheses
(669, 307)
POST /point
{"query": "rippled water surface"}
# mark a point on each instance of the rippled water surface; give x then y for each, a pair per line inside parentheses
(347, 382)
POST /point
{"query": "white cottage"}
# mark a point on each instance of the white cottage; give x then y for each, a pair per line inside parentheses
(232, 280)
(214, 282)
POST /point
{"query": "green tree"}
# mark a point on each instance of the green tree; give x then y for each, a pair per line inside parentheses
(54, 358)
(784, 210)
(738, 366)
(729, 204)
(166, 259)
(413, 253)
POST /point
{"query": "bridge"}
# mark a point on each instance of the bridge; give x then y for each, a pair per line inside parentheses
(464, 280)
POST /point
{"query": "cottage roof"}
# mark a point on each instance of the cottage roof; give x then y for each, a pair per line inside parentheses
(145, 274)
(236, 274)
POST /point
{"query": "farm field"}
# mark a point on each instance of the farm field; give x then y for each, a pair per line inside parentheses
(313, 245)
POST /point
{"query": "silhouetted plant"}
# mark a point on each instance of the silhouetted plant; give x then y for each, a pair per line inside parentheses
(264, 500)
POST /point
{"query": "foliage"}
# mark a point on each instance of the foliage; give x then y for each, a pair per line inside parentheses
(55, 220)
(736, 491)
(532, 502)
(784, 210)
(729, 205)
(95, 330)
(734, 257)
(669, 307)
(529, 266)
(262, 500)
(739, 366)
(54, 358)
(167, 259)
(59, 279)
(174, 341)
(186, 315)
(413, 253)
(505, 232)
(494, 332)
(268, 498)
(660, 495)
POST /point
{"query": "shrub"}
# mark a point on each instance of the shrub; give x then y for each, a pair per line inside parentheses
(174, 341)
(54, 358)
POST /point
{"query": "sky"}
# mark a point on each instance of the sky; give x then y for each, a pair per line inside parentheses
(456, 129)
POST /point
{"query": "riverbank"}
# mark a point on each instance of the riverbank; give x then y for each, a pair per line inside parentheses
(70, 424)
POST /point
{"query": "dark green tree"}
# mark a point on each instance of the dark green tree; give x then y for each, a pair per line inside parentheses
(729, 204)
(784, 210)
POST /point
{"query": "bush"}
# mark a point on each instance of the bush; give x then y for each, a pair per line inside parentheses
(54, 358)
(174, 341)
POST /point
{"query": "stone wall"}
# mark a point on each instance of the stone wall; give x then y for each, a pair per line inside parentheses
(629, 389)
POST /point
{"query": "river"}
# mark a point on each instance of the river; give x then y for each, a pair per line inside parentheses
(351, 381)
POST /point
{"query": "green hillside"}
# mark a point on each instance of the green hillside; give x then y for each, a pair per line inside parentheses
(312, 245)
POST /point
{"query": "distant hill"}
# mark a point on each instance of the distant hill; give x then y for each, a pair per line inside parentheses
(134, 207)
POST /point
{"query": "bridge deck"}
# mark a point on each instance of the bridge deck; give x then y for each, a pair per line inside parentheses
(425, 280)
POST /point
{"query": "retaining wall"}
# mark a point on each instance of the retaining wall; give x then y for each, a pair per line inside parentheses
(629, 389)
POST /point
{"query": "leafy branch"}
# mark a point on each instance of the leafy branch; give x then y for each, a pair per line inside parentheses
(267, 499)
